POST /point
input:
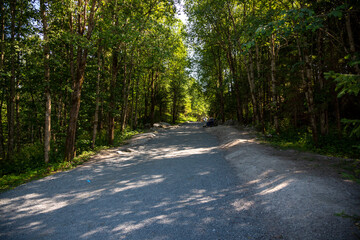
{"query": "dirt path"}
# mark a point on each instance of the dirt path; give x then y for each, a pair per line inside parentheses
(184, 183)
(299, 192)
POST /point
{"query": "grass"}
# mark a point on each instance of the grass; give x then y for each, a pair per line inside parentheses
(330, 145)
(20, 176)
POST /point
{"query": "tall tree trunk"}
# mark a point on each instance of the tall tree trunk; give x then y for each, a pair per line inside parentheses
(2, 55)
(273, 82)
(114, 72)
(310, 97)
(97, 101)
(251, 79)
(136, 105)
(126, 89)
(174, 108)
(221, 88)
(82, 52)
(338, 117)
(2, 148)
(262, 96)
(351, 41)
(324, 126)
(152, 97)
(233, 70)
(47, 136)
(11, 102)
(306, 76)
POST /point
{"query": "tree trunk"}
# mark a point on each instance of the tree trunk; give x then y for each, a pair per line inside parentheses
(2, 148)
(324, 126)
(11, 103)
(273, 83)
(174, 108)
(152, 97)
(232, 64)
(306, 76)
(262, 96)
(47, 136)
(126, 90)
(2, 55)
(82, 53)
(338, 117)
(97, 101)
(115, 69)
(136, 105)
(310, 98)
(251, 80)
(351, 41)
(221, 88)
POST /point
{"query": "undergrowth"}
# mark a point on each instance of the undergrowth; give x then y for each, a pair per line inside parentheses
(331, 145)
(28, 164)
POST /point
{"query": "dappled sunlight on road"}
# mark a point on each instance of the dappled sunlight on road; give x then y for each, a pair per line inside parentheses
(147, 180)
(176, 185)
(172, 153)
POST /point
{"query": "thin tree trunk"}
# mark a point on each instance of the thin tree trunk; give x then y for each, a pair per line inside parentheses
(251, 80)
(351, 41)
(232, 64)
(136, 105)
(174, 108)
(324, 126)
(273, 83)
(310, 98)
(115, 69)
(47, 136)
(2, 55)
(11, 103)
(97, 101)
(221, 88)
(152, 97)
(126, 88)
(2, 148)
(306, 76)
(338, 117)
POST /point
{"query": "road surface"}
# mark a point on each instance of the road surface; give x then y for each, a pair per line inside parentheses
(177, 185)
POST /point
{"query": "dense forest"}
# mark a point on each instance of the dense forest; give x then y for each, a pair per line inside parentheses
(290, 68)
(75, 74)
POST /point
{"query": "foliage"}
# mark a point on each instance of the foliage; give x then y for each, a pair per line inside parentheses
(15, 175)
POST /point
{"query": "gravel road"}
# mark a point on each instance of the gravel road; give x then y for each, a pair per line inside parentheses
(177, 185)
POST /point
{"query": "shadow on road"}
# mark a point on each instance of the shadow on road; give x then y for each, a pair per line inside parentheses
(178, 186)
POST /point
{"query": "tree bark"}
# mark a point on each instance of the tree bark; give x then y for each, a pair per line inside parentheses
(82, 52)
(251, 79)
(12, 82)
(97, 101)
(126, 89)
(324, 126)
(47, 136)
(273, 83)
(306, 76)
(232, 64)
(2, 55)
(221, 88)
(114, 72)
(351, 41)
(152, 97)
(136, 105)
(310, 98)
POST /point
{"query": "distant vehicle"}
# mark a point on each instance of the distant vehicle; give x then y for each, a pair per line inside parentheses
(212, 122)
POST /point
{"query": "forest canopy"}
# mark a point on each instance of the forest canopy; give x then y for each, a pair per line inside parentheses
(75, 74)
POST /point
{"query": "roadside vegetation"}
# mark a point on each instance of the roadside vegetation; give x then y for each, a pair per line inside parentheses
(288, 68)
(29, 163)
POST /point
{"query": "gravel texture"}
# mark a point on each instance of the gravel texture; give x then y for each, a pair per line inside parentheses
(179, 184)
